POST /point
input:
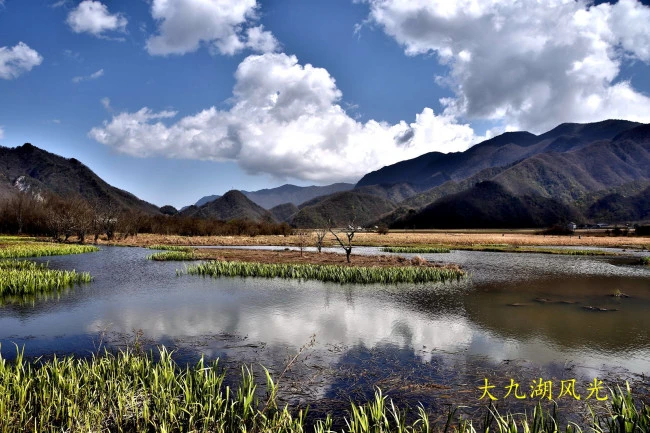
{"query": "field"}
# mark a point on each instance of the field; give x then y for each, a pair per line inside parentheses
(449, 239)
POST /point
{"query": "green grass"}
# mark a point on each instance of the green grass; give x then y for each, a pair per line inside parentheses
(28, 278)
(327, 273)
(128, 392)
(8, 239)
(415, 250)
(40, 249)
(172, 256)
(169, 248)
(645, 260)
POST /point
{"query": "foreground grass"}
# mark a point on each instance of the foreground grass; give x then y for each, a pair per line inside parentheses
(19, 278)
(415, 250)
(645, 260)
(127, 392)
(40, 249)
(328, 273)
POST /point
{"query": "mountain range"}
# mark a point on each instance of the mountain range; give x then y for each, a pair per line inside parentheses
(596, 172)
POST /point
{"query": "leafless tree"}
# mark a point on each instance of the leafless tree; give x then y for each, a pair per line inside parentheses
(320, 237)
(303, 237)
(349, 232)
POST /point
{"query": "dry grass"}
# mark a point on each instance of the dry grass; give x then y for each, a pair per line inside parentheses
(450, 239)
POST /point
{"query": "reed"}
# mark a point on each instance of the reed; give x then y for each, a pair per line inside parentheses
(129, 392)
(40, 249)
(172, 256)
(416, 250)
(328, 273)
(18, 277)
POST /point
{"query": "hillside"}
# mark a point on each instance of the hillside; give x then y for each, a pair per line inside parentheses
(284, 212)
(232, 205)
(341, 209)
(29, 168)
(433, 169)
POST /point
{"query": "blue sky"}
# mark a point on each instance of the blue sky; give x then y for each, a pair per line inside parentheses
(176, 99)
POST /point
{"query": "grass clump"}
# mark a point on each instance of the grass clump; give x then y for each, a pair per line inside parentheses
(172, 256)
(328, 273)
(415, 250)
(28, 278)
(645, 260)
(169, 247)
(128, 392)
(40, 249)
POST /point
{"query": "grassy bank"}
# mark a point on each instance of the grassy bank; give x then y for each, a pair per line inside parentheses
(126, 392)
(28, 278)
(169, 247)
(328, 273)
(21, 249)
(504, 248)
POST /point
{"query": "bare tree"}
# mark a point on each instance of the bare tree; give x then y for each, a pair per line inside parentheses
(320, 237)
(303, 237)
(349, 234)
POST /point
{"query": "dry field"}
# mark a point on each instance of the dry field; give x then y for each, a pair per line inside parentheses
(451, 238)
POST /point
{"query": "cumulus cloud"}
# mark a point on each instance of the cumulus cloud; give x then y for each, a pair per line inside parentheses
(17, 60)
(93, 17)
(527, 64)
(184, 25)
(92, 76)
(286, 120)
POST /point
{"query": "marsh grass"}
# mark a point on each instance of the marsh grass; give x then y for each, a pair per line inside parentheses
(40, 249)
(645, 260)
(174, 255)
(504, 248)
(415, 250)
(328, 273)
(19, 278)
(131, 392)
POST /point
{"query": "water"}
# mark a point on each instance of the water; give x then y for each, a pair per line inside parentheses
(518, 315)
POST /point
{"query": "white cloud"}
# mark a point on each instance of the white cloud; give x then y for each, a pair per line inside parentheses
(286, 120)
(184, 25)
(93, 17)
(527, 63)
(92, 76)
(17, 60)
(106, 103)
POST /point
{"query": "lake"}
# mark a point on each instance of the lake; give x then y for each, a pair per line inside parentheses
(517, 316)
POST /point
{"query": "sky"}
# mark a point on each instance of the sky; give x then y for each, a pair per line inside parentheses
(173, 100)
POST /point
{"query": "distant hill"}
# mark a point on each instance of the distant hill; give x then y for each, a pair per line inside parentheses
(341, 209)
(29, 168)
(206, 199)
(232, 205)
(268, 198)
(433, 169)
(616, 207)
(284, 212)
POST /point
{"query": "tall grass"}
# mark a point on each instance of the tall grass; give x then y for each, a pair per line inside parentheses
(19, 277)
(40, 249)
(129, 392)
(172, 256)
(328, 273)
(416, 250)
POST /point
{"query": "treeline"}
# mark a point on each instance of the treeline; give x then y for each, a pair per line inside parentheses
(62, 219)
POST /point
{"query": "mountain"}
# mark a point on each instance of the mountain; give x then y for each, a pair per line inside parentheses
(268, 198)
(29, 168)
(616, 207)
(341, 209)
(206, 199)
(434, 169)
(489, 205)
(232, 205)
(284, 212)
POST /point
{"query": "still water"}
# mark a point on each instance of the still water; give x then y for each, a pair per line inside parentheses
(519, 315)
